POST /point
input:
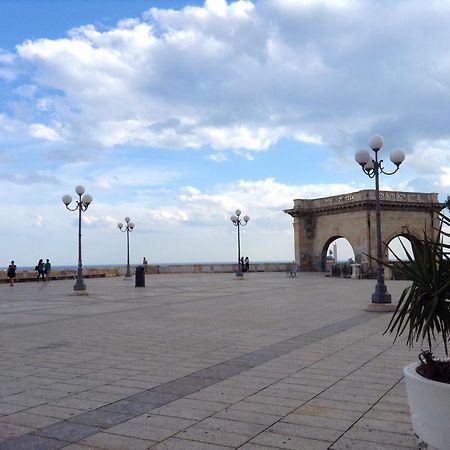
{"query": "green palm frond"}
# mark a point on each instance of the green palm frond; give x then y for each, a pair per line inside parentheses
(423, 310)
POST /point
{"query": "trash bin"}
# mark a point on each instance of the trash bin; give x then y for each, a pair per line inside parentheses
(140, 276)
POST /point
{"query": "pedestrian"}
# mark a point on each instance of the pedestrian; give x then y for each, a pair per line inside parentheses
(11, 273)
(47, 270)
(247, 264)
(40, 270)
(242, 264)
(145, 263)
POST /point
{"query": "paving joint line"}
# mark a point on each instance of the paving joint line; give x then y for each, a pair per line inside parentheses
(137, 308)
(324, 390)
(371, 408)
(144, 402)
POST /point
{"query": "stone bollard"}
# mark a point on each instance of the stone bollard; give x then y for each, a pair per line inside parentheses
(356, 269)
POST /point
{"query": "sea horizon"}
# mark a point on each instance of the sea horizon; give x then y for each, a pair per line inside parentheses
(165, 264)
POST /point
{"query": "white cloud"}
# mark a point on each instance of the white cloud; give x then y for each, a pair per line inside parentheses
(247, 155)
(191, 190)
(8, 71)
(30, 179)
(10, 126)
(262, 199)
(119, 176)
(430, 157)
(310, 4)
(38, 130)
(243, 75)
(445, 177)
(309, 139)
(26, 90)
(217, 157)
(93, 220)
(39, 222)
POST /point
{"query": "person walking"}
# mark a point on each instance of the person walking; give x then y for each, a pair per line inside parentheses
(40, 270)
(47, 270)
(145, 263)
(11, 273)
(247, 264)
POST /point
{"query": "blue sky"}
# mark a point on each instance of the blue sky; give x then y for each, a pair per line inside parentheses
(176, 113)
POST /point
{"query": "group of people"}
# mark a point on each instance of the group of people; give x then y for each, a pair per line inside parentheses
(43, 270)
(245, 264)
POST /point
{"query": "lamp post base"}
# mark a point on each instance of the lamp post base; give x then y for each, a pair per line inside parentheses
(239, 273)
(79, 285)
(381, 307)
(381, 300)
(381, 296)
(80, 293)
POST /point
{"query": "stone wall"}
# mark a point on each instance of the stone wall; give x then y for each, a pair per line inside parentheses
(151, 269)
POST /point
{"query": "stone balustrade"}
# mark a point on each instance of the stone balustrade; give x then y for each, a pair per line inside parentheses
(364, 196)
(100, 272)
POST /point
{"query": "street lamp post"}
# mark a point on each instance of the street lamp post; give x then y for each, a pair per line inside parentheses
(372, 167)
(239, 223)
(128, 228)
(82, 205)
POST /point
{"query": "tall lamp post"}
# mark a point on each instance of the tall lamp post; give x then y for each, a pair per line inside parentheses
(373, 167)
(128, 228)
(81, 205)
(239, 223)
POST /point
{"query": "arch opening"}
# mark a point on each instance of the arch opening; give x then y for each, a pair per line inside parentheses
(398, 246)
(337, 250)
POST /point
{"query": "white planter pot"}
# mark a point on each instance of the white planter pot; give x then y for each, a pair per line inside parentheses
(429, 403)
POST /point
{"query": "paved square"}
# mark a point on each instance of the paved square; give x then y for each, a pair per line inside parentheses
(203, 361)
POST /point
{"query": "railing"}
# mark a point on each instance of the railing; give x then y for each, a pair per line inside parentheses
(151, 269)
(342, 270)
(345, 270)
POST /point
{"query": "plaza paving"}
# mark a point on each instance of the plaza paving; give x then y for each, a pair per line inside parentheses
(201, 362)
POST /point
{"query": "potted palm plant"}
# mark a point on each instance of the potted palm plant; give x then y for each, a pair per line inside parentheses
(423, 315)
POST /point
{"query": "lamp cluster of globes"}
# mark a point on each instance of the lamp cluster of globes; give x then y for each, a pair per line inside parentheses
(129, 224)
(235, 218)
(84, 202)
(368, 164)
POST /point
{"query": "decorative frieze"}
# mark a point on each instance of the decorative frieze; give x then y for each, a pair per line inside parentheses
(365, 199)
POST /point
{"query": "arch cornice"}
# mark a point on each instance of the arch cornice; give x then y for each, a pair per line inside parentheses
(365, 199)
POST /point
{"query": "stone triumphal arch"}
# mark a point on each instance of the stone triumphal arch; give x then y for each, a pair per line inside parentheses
(318, 222)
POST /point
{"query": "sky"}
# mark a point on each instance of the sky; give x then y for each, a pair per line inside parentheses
(176, 113)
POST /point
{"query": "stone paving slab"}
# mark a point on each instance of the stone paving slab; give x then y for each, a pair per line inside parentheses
(67, 431)
(201, 361)
(110, 441)
(183, 444)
